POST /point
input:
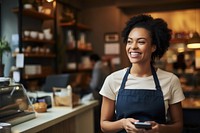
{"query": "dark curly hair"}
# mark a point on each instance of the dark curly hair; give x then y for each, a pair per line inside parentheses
(158, 29)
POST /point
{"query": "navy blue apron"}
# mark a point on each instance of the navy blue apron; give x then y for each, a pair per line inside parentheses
(141, 104)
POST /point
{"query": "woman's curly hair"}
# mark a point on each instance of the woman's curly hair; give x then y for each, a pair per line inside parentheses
(158, 29)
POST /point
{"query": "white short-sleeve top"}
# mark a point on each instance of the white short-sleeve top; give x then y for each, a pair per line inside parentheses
(169, 83)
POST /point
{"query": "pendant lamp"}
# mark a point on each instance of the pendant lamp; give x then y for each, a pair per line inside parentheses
(49, 0)
(194, 42)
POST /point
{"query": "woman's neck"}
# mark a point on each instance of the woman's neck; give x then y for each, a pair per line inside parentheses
(141, 70)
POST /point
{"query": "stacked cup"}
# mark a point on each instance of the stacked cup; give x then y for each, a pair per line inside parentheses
(47, 34)
(5, 127)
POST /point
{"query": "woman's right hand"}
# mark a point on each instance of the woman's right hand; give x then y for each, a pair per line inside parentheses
(129, 126)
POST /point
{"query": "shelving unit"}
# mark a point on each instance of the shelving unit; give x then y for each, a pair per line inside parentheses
(178, 40)
(174, 59)
(180, 43)
(72, 24)
(33, 13)
(76, 48)
(39, 53)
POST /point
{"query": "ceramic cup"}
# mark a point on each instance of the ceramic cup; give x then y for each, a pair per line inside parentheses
(6, 127)
(41, 36)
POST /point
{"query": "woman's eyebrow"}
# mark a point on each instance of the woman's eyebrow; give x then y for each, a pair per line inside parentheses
(137, 38)
(130, 38)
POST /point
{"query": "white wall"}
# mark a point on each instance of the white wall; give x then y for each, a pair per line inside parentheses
(9, 26)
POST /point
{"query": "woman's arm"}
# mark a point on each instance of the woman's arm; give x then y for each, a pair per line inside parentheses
(176, 115)
(176, 123)
(108, 122)
(107, 116)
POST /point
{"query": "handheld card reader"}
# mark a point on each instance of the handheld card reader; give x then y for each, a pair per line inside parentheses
(145, 125)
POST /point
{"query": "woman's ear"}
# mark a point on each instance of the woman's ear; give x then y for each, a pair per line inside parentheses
(153, 48)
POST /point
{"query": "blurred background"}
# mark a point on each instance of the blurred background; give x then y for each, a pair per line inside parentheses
(57, 36)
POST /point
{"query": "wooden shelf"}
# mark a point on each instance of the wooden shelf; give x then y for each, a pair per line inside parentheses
(79, 70)
(178, 40)
(75, 50)
(33, 13)
(39, 55)
(71, 24)
(79, 49)
(85, 69)
(45, 71)
(36, 55)
(35, 76)
(38, 41)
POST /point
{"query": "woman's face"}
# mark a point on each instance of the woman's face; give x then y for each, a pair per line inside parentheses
(139, 47)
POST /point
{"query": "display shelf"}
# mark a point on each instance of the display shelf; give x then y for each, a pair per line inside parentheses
(34, 14)
(79, 49)
(73, 24)
(34, 76)
(44, 71)
(178, 40)
(39, 55)
(79, 70)
(36, 55)
(37, 50)
(27, 40)
(74, 40)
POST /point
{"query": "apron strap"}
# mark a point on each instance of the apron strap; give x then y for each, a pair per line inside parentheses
(155, 78)
(125, 78)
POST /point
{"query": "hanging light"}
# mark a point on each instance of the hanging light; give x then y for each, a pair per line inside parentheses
(194, 42)
(50, 0)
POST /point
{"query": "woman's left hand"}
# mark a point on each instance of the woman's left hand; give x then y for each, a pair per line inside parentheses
(155, 128)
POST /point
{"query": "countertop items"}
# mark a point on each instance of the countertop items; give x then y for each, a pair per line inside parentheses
(4, 81)
(40, 107)
(191, 103)
(61, 119)
(192, 100)
(15, 106)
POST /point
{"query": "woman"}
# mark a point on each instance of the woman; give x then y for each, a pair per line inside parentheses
(143, 92)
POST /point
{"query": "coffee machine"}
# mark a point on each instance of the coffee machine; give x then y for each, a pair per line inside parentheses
(15, 105)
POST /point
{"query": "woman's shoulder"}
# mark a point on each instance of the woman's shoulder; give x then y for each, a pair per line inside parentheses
(119, 72)
(164, 73)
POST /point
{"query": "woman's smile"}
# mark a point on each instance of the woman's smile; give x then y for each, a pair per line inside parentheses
(135, 54)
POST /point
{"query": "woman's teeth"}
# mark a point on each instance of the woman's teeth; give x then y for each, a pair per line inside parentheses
(134, 54)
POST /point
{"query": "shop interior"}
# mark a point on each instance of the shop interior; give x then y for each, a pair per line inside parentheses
(50, 41)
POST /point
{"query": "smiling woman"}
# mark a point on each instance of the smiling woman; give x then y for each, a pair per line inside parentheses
(125, 95)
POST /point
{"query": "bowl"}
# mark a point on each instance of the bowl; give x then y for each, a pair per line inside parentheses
(26, 33)
(34, 34)
(28, 6)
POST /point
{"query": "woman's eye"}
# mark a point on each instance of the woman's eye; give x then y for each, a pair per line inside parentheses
(129, 42)
(141, 42)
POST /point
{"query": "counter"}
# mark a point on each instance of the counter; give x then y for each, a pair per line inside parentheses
(191, 103)
(191, 115)
(79, 119)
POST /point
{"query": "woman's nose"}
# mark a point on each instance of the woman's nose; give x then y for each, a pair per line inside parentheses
(134, 45)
